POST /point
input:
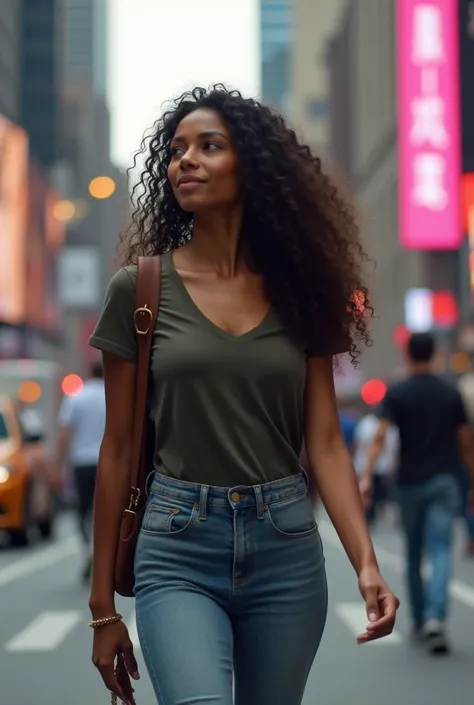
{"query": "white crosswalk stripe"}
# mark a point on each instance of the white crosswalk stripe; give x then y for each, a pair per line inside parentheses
(354, 616)
(46, 632)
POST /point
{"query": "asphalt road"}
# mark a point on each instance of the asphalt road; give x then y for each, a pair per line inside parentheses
(45, 643)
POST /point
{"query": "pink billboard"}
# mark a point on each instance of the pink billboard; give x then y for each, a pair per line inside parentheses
(429, 138)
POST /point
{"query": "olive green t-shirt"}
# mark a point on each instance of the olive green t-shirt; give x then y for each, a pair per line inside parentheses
(228, 410)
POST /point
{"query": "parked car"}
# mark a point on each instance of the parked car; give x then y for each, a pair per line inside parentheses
(27, 490)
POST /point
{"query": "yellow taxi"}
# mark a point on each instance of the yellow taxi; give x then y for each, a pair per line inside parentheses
(27, 492)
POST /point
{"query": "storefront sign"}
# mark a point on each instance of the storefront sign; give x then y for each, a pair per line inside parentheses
(429, 124)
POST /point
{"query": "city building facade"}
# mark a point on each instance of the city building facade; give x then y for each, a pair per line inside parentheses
(362, 58)
(9, 58)
(89, 255)
(40, 78)
(313, 24)
(59, 236)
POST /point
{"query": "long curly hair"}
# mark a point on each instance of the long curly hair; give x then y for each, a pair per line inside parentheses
(301, 234)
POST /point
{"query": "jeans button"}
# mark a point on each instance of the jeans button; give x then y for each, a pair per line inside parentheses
(235, 496)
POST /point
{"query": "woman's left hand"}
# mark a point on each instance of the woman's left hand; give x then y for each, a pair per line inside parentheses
(381, 603)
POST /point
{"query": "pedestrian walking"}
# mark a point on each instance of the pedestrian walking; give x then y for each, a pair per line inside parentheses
(385, 466)
(82, 424)
(259, 263)
(434, 433)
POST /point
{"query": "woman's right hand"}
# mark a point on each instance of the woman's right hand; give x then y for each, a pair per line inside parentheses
(110, 642)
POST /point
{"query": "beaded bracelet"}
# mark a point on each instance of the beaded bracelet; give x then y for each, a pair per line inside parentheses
(105, 621)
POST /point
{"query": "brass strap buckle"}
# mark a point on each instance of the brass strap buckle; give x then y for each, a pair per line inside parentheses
(142, 315)
(134, 499)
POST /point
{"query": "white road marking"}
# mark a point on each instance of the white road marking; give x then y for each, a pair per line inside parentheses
(460, 591)
(354, 616)
(46, 632)
(132, 630)
(38, 561)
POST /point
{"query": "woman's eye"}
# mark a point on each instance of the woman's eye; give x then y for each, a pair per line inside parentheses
(175, 150)
(212, 145)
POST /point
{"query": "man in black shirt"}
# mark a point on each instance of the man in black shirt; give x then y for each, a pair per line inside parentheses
(434, 433)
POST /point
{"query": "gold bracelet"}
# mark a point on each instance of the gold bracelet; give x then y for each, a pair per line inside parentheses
(105, 621)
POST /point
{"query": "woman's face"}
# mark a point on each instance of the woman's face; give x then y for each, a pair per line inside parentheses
(203, 167)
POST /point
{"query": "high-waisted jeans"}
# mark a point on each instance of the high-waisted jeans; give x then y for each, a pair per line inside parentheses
(231, 592)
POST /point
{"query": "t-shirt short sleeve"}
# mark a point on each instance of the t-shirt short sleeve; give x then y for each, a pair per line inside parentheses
(115, 331)
(324, 343)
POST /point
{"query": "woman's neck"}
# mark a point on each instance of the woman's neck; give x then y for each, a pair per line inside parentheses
(216, 245)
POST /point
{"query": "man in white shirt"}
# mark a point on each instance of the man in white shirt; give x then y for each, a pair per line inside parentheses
(82, 424)
(364, 437)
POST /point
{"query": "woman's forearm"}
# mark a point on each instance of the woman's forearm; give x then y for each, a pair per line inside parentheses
(337, 483)
(112, 490)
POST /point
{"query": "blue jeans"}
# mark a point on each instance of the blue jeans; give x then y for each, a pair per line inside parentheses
(428, 512)
(231, 592)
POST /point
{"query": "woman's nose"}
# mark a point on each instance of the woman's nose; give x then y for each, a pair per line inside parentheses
(188, 160)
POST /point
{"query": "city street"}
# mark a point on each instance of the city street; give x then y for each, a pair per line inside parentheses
(45, 642)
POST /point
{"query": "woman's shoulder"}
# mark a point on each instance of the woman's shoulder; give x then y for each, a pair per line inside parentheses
(123, 282)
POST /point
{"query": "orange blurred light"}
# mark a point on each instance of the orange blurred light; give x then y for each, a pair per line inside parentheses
(373, 391)
(101, 187)
(72, 385)
(29, 392)
(64, 211)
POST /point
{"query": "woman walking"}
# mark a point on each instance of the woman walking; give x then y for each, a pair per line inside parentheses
(261, 263)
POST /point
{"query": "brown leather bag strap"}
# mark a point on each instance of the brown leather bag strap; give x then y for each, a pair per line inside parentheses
(147, 301)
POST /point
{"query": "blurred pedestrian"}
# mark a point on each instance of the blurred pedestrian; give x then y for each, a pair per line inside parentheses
(434, 432)
(82, 424)
(348, 421)
(259, 266)
(364, 437)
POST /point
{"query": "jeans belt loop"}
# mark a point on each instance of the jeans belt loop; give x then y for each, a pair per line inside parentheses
(259, 501)
(203, 502)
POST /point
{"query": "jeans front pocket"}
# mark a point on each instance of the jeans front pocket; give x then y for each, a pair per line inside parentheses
(166, 515)
(293, 518)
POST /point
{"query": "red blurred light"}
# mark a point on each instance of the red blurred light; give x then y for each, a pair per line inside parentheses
(373, 391)
(401, 335)
(445, 309)
(72, 385)
(467, 199)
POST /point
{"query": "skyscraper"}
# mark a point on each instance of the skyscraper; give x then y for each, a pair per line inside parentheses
(9, 58)
(91, 239)
(40, 84)
(85, 33)
(276, 37)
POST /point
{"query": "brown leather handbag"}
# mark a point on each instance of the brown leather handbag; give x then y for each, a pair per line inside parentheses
(147, 301)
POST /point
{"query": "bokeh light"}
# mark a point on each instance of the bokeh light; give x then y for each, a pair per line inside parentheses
(373, 391)
(72, 385)
(29, 392)
(64, 211)
(102, 187)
